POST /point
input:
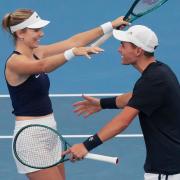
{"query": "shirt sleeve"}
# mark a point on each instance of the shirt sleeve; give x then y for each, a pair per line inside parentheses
(148, 95)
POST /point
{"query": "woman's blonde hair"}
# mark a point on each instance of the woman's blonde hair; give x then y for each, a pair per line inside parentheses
(15, 18)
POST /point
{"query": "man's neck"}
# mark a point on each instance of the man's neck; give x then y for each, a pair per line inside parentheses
(143, 63)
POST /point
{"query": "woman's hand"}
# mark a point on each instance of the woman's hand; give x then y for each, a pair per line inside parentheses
(119, 22)
(86, 51)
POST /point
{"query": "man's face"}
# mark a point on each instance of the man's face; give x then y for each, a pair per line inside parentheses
(128, 53)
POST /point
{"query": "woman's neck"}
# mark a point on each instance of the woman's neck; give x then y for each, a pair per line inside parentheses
(23, 49)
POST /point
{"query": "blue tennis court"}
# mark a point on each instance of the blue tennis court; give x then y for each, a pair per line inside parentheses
(103, 75)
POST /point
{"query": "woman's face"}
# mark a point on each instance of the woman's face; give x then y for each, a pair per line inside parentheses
(31, 37)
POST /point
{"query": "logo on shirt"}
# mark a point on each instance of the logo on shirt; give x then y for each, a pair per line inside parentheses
(36, 76)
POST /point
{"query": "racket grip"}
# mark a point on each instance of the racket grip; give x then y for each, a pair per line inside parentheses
(126, 18)
(102, 39)
(98, 157)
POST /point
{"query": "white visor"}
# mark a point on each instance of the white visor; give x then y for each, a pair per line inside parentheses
(34, 22)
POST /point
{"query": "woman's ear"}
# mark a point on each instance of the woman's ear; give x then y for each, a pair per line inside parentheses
(20, 34)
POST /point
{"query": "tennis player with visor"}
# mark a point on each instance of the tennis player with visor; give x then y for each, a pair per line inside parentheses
(155, 99)
(26, 74)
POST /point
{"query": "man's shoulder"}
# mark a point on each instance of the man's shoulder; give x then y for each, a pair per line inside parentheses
(157, 71)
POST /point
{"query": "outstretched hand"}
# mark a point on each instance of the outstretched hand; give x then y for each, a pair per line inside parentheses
(86, 51)
(88, 106)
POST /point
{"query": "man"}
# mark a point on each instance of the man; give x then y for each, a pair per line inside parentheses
(155, 99)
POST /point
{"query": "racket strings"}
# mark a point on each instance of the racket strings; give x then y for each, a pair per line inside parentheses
(39, 147)
(146, 5)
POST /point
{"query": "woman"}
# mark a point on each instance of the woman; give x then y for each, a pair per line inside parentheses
(26, 76)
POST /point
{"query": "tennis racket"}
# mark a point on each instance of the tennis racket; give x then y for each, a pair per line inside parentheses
(39, 146)
(139, 8)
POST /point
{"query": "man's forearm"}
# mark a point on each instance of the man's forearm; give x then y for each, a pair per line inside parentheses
(117, 102)
(122, 100)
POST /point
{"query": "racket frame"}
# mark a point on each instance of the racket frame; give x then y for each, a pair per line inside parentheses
(128, 18)
(65, 145)
(130, 11)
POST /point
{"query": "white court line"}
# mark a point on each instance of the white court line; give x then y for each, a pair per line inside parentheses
(87, 135)
(79, 95)
(71, 95)
(118, 136)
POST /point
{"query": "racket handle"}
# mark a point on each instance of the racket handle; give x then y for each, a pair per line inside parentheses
(102, 39)
(98, 157)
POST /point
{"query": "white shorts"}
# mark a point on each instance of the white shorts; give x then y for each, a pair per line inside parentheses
(48, 121)
(150, 176)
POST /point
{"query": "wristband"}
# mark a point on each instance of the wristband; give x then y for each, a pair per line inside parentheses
(108, 103)
(68, 54)
(107, 27)
(92, 142)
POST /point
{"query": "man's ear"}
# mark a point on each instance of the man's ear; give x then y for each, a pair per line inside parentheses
(139, 51)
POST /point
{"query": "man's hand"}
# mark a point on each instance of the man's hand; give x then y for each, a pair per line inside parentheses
(88, 106)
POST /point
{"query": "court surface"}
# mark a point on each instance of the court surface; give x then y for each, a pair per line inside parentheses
(104, 74)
